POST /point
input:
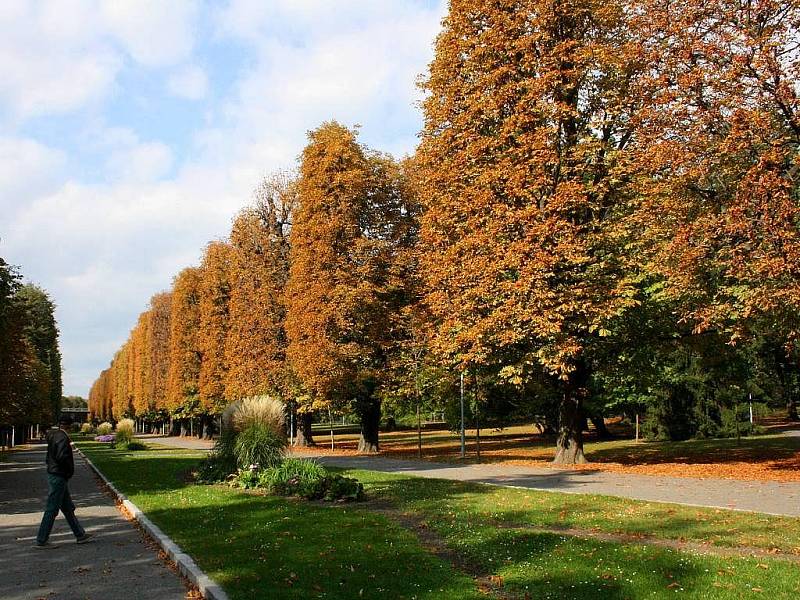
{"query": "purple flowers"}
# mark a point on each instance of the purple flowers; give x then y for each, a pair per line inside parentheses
(105, 438)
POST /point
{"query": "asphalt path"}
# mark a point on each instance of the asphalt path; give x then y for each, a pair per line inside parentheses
(117, 565)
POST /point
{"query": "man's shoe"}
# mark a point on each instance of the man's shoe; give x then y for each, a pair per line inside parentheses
(86, 537)
(45, 546)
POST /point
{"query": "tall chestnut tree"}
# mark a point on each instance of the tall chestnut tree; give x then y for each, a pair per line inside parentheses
(338, 295)
(530, 113)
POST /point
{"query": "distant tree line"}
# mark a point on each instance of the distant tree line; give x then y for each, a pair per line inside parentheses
(30, 359)
(601, 218)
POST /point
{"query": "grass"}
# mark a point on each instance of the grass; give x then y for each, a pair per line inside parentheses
(257, 546)
(422, 538)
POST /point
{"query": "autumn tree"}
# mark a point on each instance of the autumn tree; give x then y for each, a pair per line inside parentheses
(142, 367)
(214, 292)
(337, 292)
(184, 345)
(255, 349)
(524, 157)
(160, 324)
(718, 151)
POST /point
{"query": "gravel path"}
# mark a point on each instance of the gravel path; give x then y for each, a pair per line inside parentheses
(757, 496)
(117, 565)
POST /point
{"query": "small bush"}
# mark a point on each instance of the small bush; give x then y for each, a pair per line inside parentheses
(87, 428)
(245, 478)
(308, 479)
(109, 437)
(134, 445)
(296, 477)
(344, 488)
(104, 428)
(260, 446)
(125, 431)
(221, 461)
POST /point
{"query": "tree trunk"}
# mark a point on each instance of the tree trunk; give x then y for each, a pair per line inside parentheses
(600, 427)
(370, 415)
(304, 436)
(569, 445)
(791, 409)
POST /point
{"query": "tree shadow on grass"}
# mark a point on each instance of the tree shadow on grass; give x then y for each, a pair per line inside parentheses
(257, 546)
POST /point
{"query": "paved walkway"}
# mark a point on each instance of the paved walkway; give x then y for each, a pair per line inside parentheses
(117, 565)
(758, 496)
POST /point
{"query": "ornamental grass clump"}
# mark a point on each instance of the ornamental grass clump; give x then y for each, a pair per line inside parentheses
(256, 410)
(87, 428)
(252, 438)
(125, 432)
(260, 446)
(105, 428)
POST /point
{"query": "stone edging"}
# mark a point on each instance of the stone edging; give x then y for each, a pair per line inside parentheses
(186, 565)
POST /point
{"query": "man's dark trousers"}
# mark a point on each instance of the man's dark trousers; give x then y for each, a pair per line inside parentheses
(58, 498)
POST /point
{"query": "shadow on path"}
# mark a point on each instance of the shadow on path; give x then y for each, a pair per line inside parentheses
(118, 564)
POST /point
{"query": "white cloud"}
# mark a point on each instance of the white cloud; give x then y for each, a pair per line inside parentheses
(27, 170)
(144, 162)
(63, 55)
(190, 82)
(154, 32)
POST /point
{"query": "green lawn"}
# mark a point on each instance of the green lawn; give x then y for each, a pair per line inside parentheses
(455, 538)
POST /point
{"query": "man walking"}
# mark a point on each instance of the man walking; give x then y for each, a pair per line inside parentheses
(60, 467)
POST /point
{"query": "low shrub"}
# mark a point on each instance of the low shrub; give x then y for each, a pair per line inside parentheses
(104, 428)
(109, 437)
(221, 461)
(125, 431)
(344, 488)
(87, 428)
(296, 477)
(245, 478)
(258, 445)
(133, 445)
(310, 480)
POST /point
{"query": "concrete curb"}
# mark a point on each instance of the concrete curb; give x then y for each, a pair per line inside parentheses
(186, 565)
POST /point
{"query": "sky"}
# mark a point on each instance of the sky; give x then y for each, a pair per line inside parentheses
(132, 131)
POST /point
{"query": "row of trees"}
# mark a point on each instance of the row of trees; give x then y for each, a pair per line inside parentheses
(30, 359)
(602, 214)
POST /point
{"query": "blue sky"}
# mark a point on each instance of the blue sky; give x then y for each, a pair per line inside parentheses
(131, 132)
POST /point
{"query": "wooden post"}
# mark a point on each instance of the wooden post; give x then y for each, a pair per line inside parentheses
(637, 427)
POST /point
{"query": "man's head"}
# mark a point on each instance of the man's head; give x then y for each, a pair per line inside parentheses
(64, 421)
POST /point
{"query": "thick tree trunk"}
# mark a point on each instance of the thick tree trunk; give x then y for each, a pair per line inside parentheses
(791, 409)
(569, 445)
(304, 435)
(370, 414)
(600, 426)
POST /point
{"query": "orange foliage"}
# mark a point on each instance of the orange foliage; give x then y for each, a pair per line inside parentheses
(214, 292)
(255, 348)
(184, 347)
(524, 168)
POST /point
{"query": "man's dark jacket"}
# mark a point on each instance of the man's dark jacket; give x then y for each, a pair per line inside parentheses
(59, 454)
